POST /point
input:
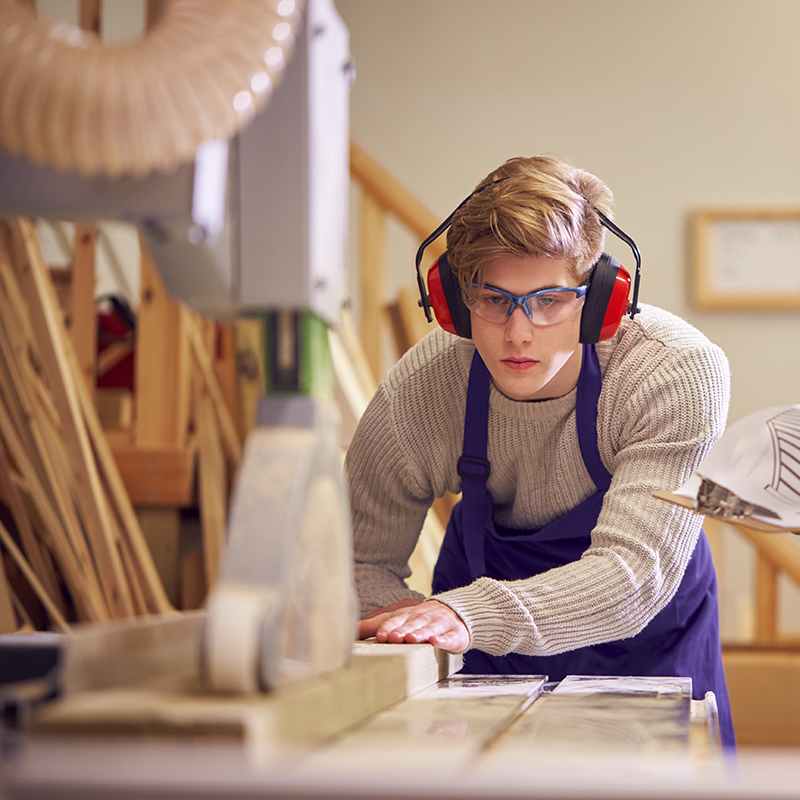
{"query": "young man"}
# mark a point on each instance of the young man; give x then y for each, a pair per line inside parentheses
(558, 560)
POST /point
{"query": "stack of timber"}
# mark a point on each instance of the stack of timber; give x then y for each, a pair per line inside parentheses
(72, 547)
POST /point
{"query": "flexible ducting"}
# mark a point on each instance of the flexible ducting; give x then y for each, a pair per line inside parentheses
(201, 72)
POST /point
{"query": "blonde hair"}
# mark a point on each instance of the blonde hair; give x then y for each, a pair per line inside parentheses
(538, 207)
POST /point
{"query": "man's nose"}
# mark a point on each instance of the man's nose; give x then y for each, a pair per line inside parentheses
(519, 328)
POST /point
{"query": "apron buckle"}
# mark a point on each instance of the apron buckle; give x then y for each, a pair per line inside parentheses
(477, 469)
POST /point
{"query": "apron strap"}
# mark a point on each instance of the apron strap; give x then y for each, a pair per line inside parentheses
(590, 382)
(473, 466)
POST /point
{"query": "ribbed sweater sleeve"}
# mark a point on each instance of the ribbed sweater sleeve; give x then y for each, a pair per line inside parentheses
(664, 403)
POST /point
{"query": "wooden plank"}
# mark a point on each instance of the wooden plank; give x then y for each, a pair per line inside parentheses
(17, 350)
(308, 712)
(193, 580)
(114, 408)
(249, 342)
(779, 549)
(372, 258)
(766, 600)
(408, 321)
(227, 427)
(22, 523)
(112, 355)
(161, 527)
(35, 584)
(135, 577)
(213, 485)
(157, 475)
(82, 319)
(162, 378)
(8, 619)
(224, 360)
(131, 651)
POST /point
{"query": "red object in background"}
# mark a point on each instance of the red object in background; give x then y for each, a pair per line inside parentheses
(116, 325)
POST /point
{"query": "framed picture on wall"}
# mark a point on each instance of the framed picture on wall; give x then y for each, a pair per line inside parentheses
(745, 259)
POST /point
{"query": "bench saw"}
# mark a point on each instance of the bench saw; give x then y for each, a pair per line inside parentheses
(253, 225)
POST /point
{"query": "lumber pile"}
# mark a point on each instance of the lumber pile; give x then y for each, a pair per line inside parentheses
(72, 547)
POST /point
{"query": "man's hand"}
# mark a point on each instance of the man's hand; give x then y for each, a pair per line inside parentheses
(414, 622)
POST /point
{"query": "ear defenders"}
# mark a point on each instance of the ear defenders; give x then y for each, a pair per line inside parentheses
(605, 305)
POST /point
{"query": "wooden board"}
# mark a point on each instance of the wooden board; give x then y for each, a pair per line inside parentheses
(157, 476)
(308, 712)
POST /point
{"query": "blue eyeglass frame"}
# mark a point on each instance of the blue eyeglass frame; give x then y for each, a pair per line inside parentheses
(521, 300)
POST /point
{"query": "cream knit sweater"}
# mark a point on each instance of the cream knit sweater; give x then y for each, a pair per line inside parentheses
(664, 403)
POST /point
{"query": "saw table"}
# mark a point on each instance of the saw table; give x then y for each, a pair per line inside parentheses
(131, 718)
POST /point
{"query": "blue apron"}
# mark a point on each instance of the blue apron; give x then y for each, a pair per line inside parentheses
(682, 640)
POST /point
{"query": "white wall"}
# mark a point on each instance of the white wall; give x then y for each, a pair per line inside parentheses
(676, 104)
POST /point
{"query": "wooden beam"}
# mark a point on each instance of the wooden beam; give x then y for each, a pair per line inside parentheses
(114, 409)
(766, 600)
(308, 712)
(250, 384)
(112, 355)
(35, 584)
(162, 365)
(223, 357)
(778, 548)
(227, 427)
(392, 196)
(82, 318)
(213, 484)
(8, 619)
(161, 527)
(157, 475)
(407, 320)
(30, 544)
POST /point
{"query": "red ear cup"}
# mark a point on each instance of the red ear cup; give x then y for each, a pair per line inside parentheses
(446, 299)
(606, 301)
(617, 305)
(437, 298)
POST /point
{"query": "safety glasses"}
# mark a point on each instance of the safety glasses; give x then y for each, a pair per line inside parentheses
(542, 308)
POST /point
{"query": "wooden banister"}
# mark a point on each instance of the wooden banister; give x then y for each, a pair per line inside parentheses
(775, 554)
(382, 196)
(390, 194)
(778, 549)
